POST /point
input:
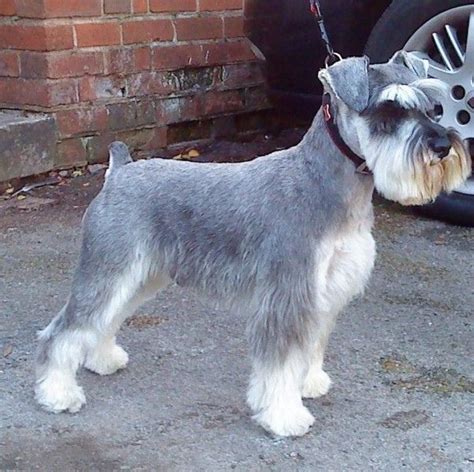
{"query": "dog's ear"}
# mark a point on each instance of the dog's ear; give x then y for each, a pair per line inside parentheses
(411, 60)
(348, 80)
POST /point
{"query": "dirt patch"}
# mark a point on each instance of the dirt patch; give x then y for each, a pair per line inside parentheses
(144, 321)
(433, 380)
(418, 300)
(395, 363)
(406, 420)
(436, 380)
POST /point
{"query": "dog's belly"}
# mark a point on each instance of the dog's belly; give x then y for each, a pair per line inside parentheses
(345, 263)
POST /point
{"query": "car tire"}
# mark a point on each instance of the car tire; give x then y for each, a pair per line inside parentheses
(393, 30)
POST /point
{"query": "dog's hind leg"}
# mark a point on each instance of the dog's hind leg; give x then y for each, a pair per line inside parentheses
(84, 331)
(106, 356)
(61, 350)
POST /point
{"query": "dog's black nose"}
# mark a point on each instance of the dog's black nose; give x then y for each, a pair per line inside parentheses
(440, 145)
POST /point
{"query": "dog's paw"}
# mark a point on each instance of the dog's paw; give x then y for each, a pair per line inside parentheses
(107, 359)
(56, 395)
(286, 421)
(316, 384)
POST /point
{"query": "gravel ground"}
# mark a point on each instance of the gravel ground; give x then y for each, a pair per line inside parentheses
(400, 359)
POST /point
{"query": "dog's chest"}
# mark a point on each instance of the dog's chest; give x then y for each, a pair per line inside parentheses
(345, 261)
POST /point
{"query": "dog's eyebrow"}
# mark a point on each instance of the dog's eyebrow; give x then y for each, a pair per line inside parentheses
(405, 96)
(434, 89)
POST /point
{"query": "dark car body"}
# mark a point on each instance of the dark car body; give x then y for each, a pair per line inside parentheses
(288, 35)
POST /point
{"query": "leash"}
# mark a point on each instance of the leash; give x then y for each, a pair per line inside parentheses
(332, 58)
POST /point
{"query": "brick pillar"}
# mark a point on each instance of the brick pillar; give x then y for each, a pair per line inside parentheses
(137, 70)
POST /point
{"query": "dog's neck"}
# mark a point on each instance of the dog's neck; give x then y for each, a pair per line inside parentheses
(335, 134)
(326, 160)
(318, 137)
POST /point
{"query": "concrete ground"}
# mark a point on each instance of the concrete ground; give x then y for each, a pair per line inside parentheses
(400, 359)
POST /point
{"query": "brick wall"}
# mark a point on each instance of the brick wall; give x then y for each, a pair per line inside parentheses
(149, 72)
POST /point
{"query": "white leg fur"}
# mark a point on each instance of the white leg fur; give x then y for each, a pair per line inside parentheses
(317, 382)
(56, 388)
(106, 358)
(275, 397)
(58, 391)
(345, 265)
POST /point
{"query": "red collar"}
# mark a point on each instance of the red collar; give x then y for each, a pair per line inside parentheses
(361, 165)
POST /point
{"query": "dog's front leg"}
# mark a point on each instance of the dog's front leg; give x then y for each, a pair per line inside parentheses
(317, 382)
(275, 395)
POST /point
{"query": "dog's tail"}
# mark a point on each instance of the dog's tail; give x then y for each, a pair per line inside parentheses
(119, 155)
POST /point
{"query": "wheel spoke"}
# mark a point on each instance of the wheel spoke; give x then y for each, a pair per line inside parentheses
(435, 70)
(453, 38)
(469, 57)
(443, 52)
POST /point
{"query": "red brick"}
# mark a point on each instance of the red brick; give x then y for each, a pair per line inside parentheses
(59, 64)
(189, 131)
(23, 92)
(233, 26)
(222, 102)
(137, 139)
(58, 37)
(176, 57)
(228, 52)
(198, 28)
(256, 98)
(132, 114)
(81, 121)
(156, 139)
(9, 64)
(220, 5)
(58, 8)
(145, 139)
(62, 92)
(29, 9)
(127, 60)
(97, 88)
(35, 37)
(117, 6)
(243, 75)
(139, 31)
(97, 34)
(42, 92)
(140, 6)
(142, 58)
(34, 65)
(71, 153)
(160, 6)
(76, 64)
(97, 147)
(177, 109)
(149, 83)
(7, 8)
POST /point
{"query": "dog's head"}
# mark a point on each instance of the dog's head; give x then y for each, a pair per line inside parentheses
(384, 112)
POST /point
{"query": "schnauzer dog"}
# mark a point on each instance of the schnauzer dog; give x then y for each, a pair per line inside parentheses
(285, 239)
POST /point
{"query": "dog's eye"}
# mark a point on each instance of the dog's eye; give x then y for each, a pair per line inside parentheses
(387, 116)
(435, 113)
